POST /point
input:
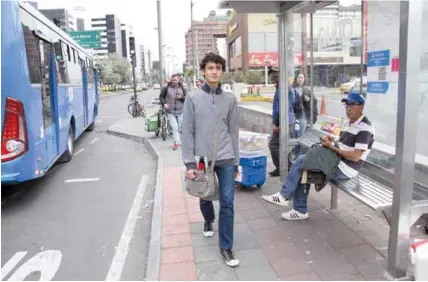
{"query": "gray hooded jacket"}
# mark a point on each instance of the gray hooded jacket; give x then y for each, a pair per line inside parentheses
(200, 118)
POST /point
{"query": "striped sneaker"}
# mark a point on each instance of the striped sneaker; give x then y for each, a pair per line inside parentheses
(294, 215)
(276, 199)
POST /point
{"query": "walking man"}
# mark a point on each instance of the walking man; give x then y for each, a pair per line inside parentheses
(172, 99)
(204, 110)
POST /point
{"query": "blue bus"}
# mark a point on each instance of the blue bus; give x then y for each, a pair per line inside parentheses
(49, 93)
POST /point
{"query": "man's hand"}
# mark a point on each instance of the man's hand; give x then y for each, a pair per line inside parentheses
(327, 142)
(275, 129)
(191, 174)
(166, 106)
(307, 98)
(179, 97)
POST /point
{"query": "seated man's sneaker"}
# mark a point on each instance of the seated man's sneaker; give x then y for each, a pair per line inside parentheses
(294, 215)
(276, 199)
(229, 257)
(208, 229)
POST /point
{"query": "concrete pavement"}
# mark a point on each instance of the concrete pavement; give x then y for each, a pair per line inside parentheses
(346, 244)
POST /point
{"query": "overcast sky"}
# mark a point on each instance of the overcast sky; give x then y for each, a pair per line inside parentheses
(142, 15)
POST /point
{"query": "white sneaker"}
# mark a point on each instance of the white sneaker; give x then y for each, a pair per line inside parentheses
(276, 199)
(294, 215)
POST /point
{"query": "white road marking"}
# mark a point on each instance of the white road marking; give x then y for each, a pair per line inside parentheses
(81, 180)
(95, 140)
(78, 152)
(116, 267)
(47, 263)
(12, 263)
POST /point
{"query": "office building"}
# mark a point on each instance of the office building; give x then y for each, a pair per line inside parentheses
(127, 32)
(142, 61)
(80, 24)
(66, 21)
(111, 35)
(206, 33)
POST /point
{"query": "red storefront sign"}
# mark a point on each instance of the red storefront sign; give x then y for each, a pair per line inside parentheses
(269, 59)
(263, 59)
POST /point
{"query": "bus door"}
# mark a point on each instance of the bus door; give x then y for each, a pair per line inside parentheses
(85, 91)
(47, 87)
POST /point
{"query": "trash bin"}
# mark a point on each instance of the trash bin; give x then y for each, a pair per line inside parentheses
(419, 258)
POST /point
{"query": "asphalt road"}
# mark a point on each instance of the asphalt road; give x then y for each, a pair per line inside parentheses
(88, 219)
(383, 116)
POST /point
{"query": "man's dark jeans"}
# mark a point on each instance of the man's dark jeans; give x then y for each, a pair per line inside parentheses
(274, 145)
(226, 179)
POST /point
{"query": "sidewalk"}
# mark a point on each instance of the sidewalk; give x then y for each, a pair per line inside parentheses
(347, 244)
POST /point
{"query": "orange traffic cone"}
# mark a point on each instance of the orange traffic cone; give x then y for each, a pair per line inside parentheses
(323, 111)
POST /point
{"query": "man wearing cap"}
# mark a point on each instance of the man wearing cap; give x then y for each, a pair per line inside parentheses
(353, 147)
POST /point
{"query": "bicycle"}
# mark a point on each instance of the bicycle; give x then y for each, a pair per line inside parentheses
(163, 123)
(135, 109)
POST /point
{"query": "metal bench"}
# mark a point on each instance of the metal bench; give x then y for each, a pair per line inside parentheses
(373, 186)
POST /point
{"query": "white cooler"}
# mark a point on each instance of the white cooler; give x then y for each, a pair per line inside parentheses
(419, 259)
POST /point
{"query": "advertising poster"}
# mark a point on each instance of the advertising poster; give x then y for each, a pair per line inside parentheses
(383, 62)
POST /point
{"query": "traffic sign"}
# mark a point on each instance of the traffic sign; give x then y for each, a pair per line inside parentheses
(87, 39)
(378, 58)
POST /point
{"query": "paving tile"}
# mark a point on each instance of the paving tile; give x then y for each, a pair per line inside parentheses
(359, 254)
(176, 240)
(238, 218)
(342, 277)
(177, 255)
(195, 217)
(215, 271)
(291, 265)
(307, 276)
(175, 229)
(244, 238)
(372, 268)
(199, 240)
(376, 241)
(172, 210)
(330, 266)
(176, 203)
(262, 223)
(184, 271)
(206, 253)
(260, 273)
(269, 236)
(168, 219)
(252, 257)
(278, 250)
(255, 213)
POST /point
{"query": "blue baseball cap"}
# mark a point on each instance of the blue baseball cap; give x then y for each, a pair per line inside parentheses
(354, 97)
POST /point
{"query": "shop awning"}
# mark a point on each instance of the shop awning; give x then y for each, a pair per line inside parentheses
(257, 6)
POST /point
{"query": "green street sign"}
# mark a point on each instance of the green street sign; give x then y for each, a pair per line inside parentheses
(87, 39)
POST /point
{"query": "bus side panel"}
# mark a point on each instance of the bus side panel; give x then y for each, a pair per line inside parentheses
(64, 118)
(79, 110)
(16, 84)
(91, 102)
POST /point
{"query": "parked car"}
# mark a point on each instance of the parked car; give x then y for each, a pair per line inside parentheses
(354, 83)
(156, 86)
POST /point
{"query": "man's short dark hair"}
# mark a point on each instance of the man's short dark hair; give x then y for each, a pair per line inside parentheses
(175, 75)
(213, 58)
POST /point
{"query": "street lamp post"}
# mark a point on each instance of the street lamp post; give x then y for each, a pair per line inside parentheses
(193, 44)
(161, 62)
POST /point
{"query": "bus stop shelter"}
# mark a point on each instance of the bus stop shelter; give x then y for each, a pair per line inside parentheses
(410, 29)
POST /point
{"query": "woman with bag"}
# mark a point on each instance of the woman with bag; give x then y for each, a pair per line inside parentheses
(210, 148)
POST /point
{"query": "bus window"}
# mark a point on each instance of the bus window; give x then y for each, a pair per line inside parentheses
(45, 55)
(62, 77)
(68, 53)
(33, 58)
(74, 55)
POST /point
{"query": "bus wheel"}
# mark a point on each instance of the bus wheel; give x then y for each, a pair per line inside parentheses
(68, 154)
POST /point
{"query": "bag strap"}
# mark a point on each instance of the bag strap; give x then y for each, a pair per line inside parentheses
(217, 136)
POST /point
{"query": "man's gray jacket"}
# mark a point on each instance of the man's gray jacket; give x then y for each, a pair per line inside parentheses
(200, 117)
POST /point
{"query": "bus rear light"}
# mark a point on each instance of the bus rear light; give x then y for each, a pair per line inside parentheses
(14, 141)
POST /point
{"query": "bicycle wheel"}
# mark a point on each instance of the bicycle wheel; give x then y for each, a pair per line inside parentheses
(163, 128)
(130, 110)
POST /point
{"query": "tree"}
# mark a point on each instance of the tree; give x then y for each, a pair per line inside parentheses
(114, 70)
(254, 77)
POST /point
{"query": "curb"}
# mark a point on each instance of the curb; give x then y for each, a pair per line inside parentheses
(256, 99)
(153, 259)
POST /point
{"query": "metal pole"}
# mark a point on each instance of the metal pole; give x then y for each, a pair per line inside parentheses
(160, 42)
(407, 115)
(283, 97)
(362, 46)
(193, 44)
(133, 74)
(311, 27)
